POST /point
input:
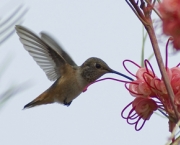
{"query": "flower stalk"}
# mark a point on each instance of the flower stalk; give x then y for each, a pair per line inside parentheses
(162, 69)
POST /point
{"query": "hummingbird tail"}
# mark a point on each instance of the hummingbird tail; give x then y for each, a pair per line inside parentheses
(40, 100)
(32, 104)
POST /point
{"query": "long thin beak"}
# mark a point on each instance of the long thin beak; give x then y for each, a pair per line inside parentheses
(118, 73)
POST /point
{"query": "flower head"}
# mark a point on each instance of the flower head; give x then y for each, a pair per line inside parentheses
(144, 107)
(150, 94)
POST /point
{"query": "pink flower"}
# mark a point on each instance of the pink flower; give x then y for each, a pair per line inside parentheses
(150, 94)
(144, 89)
(144, 107)
(170, 12)
(140, 87)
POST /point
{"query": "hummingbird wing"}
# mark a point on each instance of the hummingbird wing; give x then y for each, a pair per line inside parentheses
(46, 57)
(53, 44)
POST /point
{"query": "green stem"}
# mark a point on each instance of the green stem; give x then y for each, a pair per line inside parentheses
(143, 46)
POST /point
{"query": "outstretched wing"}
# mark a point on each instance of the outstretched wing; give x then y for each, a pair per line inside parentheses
(49, 59)
(53, 44)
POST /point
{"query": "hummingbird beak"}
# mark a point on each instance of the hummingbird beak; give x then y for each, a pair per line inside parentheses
(118, 73)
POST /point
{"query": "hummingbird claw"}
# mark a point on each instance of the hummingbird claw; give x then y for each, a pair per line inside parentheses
(67, 103)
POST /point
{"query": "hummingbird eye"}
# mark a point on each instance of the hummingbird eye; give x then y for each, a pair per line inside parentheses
(98, 65)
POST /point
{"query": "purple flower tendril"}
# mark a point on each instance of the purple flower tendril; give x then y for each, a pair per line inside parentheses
(85, 89)
(133, 116)
(127, 60)
(147, 62)
(122, 112)
(136, 126)
(130, 116)
(112, 79)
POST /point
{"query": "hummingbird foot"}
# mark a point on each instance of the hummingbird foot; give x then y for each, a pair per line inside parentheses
(67, 103)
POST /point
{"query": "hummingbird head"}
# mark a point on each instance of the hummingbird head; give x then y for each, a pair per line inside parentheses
(93, 68)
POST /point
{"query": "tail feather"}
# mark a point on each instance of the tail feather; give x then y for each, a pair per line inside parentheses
(42, 99)
(32, 104)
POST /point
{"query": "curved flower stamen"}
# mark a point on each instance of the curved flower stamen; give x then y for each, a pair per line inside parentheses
(131, 117)
(85, 89)
(122, 112)
(152, 71)
(131, 120)
(127, 60)
(141, 126)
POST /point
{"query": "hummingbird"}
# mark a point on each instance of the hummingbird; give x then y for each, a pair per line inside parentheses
(70, 79)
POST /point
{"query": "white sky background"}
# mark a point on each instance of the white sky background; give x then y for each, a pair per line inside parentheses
(107, 29)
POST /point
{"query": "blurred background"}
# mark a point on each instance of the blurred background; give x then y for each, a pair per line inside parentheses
(85, 28)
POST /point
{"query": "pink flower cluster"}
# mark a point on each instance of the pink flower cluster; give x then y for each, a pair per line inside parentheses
(150, 94)
(170, 12)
